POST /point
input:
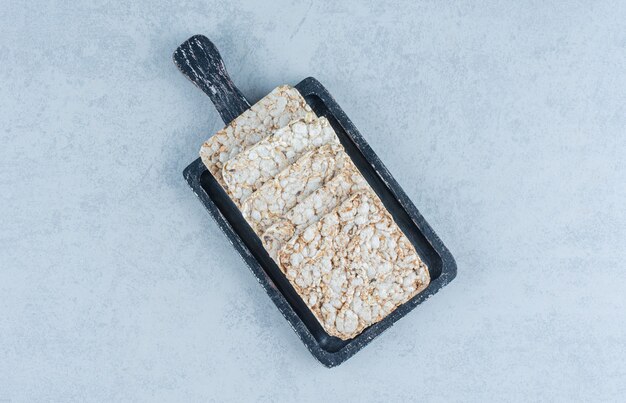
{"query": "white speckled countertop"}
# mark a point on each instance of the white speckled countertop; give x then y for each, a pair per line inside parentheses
(504, 122)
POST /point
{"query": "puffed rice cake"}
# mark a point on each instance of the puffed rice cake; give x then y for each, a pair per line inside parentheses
(354, 266)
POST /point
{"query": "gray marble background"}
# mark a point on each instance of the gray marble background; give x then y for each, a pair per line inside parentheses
(504, 121)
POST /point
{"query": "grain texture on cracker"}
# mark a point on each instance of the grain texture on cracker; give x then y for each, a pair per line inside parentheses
(281, 106)
(311, 209)
(252, 167)
(354, 266)
(292, 185)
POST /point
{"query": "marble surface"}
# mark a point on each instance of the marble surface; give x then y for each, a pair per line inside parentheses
(504, 121)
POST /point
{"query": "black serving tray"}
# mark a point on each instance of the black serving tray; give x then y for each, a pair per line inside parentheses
(200, 61)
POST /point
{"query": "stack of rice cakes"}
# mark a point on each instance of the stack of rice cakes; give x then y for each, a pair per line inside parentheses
(316, 215)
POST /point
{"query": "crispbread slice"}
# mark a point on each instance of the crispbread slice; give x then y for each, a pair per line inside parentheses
(311, 209)
(292, 185)
(252, 167)
(354, 266)
(281, 106)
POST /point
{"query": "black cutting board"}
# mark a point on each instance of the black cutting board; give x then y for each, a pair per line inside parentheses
(200, 61)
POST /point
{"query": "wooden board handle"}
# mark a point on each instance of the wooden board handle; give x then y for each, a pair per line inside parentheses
(199, 60)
